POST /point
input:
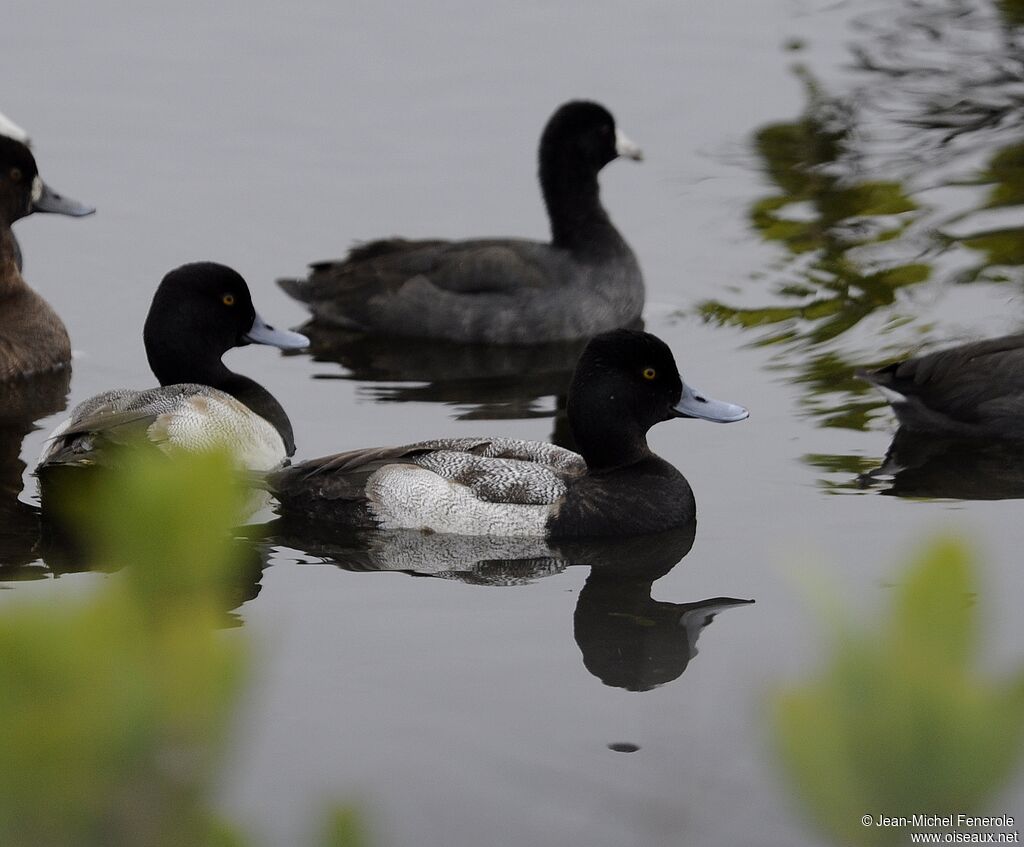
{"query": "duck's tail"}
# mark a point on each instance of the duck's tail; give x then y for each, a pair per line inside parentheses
(297, 288)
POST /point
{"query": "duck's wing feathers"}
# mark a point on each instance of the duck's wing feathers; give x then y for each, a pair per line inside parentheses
(193, 417)
(498, 470)
(966, 383)
(458, 267)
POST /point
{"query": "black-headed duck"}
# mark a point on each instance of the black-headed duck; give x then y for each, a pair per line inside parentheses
(625, 383)
(199, 312)
(586, 280)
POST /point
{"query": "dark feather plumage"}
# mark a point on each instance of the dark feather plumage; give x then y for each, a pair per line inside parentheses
(975, 389)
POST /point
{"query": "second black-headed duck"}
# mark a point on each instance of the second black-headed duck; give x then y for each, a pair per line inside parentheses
(199, 312)
(586, 280)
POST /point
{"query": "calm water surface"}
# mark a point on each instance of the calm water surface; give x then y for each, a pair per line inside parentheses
(792, 223)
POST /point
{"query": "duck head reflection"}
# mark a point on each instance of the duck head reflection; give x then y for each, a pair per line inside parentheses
(627, 638)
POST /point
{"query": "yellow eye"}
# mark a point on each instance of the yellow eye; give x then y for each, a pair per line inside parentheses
(228, 299)
(650, 373)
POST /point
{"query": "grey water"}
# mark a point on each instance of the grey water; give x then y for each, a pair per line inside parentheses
(825, 184)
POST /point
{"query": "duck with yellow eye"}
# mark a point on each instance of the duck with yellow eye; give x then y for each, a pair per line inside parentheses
(625, 383)
(199, 312)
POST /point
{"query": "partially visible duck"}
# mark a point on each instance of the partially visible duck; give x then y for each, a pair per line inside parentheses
(501, 290)
(199, 312)
(625, 382)
(975, 390)
(32, 337)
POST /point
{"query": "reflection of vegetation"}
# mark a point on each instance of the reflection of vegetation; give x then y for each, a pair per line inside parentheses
(849, 469)
(1002, 246)
(899, 721)
(938, 107)
(114, 705)
(822, 219)
(817, 210)
(1013, 11)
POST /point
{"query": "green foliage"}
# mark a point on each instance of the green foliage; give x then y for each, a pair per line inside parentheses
(899, 721)
(114, 704)
(345, 829)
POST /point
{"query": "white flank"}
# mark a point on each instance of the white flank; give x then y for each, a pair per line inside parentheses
(409, 497)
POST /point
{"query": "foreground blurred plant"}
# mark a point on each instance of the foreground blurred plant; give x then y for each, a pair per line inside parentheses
(114, 704)
(899, 722)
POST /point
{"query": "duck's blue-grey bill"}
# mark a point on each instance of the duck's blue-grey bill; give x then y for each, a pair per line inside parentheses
(50, 201)
(263, 333)
(696, 404)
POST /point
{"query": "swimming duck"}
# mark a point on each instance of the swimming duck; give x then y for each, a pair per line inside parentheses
(501, 290)
(32, 337)
(975, 390)
(625, 382)
(199, 312)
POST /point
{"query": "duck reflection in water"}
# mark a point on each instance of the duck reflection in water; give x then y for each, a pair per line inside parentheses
(22, 404)
(63, 549)
(919, 465)
(628, 639)
(483, 382)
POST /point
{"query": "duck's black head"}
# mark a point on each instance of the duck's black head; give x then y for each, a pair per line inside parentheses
(585, 132)
(625, 382)
(22, 191)
(18, 178)
(579, 140)
(199, 312)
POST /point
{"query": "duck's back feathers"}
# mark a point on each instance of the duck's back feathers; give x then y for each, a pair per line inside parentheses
(463, 486)
(466, 267)
(175, 417)
(973, 389)
(496, 290)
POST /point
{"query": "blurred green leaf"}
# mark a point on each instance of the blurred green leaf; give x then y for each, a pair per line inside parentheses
(114, 704)
(345, 829)
(899, 721)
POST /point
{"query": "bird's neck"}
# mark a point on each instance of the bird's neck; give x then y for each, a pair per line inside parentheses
(579, 223)
(606, 443)
(214, 373)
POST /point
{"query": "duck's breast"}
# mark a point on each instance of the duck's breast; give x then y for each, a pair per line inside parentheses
(214, 420)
